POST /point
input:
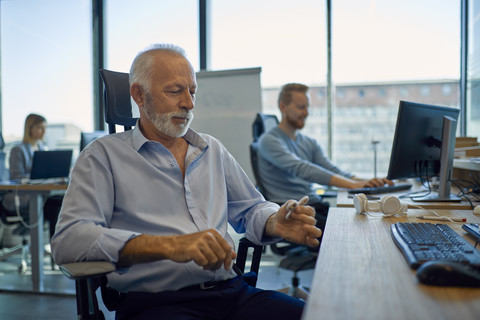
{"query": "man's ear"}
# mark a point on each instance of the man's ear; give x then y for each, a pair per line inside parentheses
(281, 106)
(137, 93)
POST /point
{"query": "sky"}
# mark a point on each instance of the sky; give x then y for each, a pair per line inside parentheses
(46, 55)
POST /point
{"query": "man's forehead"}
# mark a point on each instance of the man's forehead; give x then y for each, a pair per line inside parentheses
(300, 95)
(175, 69)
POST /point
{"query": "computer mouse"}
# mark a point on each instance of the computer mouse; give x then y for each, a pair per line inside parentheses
(449, 274)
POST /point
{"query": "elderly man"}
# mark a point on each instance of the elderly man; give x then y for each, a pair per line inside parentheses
(156, 200)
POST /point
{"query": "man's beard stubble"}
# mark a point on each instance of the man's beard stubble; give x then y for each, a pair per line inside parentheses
(296, 123)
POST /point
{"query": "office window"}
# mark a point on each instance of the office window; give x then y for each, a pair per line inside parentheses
(46, 68)
(132, 25)
(446, 89)
(425, 91)
(287, 41)
(384, 42)
(473, 70)
(321, 94)
(403, 92)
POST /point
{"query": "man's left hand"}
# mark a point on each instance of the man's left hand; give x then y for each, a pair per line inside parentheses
(299, 228)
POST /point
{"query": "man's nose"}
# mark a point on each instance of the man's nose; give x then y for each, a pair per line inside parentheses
(188, 100)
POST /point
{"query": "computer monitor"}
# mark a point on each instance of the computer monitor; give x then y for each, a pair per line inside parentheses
(423, 146)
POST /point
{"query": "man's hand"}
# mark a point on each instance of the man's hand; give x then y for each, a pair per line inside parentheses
(299, 228)
(355, 183)
(206, 248)
(374, 182)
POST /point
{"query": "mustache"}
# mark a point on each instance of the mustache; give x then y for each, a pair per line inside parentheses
(181, 114)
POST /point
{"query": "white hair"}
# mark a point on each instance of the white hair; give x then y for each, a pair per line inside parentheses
(141, 69)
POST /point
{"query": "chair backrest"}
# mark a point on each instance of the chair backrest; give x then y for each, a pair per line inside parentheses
(263, 122)
(2, 142)
(254, 162)
(87, 137)
(118, 106)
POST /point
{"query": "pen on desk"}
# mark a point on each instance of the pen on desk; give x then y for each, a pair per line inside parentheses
(443, 218)
(292, 207)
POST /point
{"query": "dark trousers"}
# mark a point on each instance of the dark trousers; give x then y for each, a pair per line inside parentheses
(233, 300)
(51, 209)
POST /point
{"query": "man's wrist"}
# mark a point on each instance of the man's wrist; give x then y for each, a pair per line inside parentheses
(269, 231)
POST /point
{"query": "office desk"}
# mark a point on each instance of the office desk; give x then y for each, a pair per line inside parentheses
(361, 274)
(472, 164)
(466, 169)
(344, 201)
(38, 192)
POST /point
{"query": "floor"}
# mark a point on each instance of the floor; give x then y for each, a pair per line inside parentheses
(58, 302)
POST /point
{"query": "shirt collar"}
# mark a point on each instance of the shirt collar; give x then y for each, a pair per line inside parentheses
(192, 137)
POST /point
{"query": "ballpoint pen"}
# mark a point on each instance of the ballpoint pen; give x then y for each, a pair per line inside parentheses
(443, 218)
(292, 206)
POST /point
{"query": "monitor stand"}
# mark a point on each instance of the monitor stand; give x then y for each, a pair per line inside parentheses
(447, 151)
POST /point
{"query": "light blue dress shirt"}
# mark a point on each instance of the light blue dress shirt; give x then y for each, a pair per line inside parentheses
(124, 185)
(289, 168)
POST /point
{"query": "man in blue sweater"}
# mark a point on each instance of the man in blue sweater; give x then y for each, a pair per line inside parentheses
(290, 163)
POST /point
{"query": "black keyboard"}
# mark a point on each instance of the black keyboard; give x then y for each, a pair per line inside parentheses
(384, 189)
(423, 242)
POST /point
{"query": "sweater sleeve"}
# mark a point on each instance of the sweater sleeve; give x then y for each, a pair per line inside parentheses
(303, 158)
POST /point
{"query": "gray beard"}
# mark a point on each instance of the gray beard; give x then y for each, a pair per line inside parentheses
(163, 121)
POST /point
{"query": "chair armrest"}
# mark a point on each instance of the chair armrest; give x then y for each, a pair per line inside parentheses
(243, 247)
(88, 269)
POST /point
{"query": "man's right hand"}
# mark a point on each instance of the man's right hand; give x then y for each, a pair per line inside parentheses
(354, 183)
(374, 182)
(207, 249)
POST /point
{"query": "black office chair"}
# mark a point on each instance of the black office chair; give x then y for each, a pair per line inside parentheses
(10, 220)
(87, 137)
(89, 276)
(118, 106)
(263, 123)
(296, 257)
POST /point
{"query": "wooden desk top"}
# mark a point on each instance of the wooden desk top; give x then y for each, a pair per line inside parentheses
(361, 274)
(10, 186)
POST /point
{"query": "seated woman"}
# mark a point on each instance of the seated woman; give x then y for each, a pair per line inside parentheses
(20, 161)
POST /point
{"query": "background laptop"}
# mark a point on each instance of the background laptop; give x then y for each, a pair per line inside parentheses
(51, 164)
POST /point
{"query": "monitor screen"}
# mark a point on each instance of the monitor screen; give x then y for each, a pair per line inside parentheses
(417, 143)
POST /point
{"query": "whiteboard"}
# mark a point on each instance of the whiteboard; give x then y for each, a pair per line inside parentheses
(227, 102)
